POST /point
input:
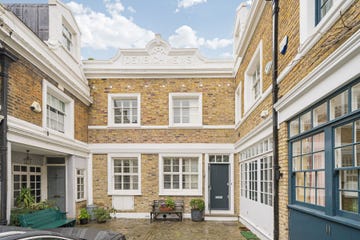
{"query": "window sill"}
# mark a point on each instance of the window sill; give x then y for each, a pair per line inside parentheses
(185, 126)
(80, 200)
(60, 134)
(180, 193)
(124, 126)
(125, 193)
(321, 214)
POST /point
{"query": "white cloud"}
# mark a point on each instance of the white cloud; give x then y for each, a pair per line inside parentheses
(188, 3)
(100, 31)
(131, 9)
(185, 36)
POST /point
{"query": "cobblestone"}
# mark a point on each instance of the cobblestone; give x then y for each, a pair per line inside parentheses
(142, 229)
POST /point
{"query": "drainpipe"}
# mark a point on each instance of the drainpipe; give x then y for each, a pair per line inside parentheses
(275, 89)
(5, 60)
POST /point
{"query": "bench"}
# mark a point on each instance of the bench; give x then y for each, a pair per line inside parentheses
(156, 211)
(46, 219)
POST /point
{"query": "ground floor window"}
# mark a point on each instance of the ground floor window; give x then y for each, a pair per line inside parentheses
(80, 184)
(256, 181)
(25, 176)
(180, 174)
(325, 155)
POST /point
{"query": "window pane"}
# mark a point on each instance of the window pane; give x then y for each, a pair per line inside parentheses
(320, 197)
(344, 157)
(320, 180)
(357, 131)
(294, 127)
(307, 162)
(355, 92)
(306, 145)
(318, 142)
(357, 154)
(310, 195)
(176, 182)
(349, 201)
(300, 179)
(320, 115)
(339, 105)
(297, 163)
(349, 180)
(310, 179)
(305, 122)
(319, 160)
(296, 146)
(300, 194)
(343, 135)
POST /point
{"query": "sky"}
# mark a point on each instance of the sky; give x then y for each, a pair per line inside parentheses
(107, 25)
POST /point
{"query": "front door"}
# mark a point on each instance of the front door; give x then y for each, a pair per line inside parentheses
(56, 185)
(219, 186)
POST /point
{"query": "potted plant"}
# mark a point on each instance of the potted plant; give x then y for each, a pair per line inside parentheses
(84, 216)
(197, 209)
(101, 215)
(167, 205)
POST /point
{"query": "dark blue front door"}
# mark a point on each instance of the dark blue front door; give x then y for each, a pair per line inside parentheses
(219, 186)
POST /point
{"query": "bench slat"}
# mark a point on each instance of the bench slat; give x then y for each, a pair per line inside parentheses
(45, 219)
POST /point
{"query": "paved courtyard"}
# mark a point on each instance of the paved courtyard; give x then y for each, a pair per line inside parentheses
(169, 230)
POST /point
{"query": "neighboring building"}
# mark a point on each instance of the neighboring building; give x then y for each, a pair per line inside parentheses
(47, 149)
(159, 121)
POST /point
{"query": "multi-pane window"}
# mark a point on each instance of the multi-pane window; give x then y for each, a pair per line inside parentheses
(126, 174)
(80, 184)
(126, 111)
(322, 8)
(255, 80)
(66, 38)
(308, 161)
(56, 114)
(325, 154)
(347, 163)
(256, 180)
(219, 158)
(186, 110)
(253, 180)
(180, 173)
(25, 176)
(266, 180)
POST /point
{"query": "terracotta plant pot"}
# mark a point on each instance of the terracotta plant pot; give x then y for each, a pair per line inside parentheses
(165, 209)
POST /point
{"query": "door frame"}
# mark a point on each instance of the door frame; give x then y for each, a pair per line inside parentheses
(66, 178)
(231, 185)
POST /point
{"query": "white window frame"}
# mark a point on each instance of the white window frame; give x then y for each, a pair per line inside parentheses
(198, 122)
(123, 96)
(256, 60)
(308, 26)
(180, 191)
(48, 88)
(111, 190)
(238, 104)
(83, 176)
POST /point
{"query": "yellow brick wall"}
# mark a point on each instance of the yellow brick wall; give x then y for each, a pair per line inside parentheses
(25, 87)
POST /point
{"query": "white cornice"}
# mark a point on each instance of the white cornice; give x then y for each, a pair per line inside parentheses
(156, 148)
(99, 127)
(21, 39)
(29, 134)
(159, 60)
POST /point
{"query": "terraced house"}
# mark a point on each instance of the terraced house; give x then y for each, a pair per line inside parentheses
(161, 121)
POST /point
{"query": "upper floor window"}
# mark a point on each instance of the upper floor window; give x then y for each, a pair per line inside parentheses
(55, 113)
(124, 109)
(124, 174)
(322, 8)
(66, 37)
(238, 103)
(180, 175)
(58, 109)
(185, 109)
(253, 79)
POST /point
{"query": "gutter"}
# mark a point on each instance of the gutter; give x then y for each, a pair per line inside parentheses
(6, 58)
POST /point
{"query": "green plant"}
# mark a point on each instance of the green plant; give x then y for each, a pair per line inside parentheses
(197, 203)
(101, 214)
(84, 214)
(45, 204)
(169, 202)
(25, 199)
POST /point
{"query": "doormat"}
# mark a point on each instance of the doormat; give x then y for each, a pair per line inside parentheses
(249, 235)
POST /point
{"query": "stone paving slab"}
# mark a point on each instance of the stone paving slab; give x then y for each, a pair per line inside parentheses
(142, 229)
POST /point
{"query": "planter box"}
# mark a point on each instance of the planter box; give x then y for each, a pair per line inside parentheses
(197, 215)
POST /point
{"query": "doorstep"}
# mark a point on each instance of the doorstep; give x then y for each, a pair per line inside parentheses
(221, 217)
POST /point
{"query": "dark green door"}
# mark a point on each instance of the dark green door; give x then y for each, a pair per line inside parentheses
(56, 185)
(219, 186)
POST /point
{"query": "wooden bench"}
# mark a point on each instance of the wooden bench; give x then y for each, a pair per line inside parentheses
(156, 211)
(46, 219)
